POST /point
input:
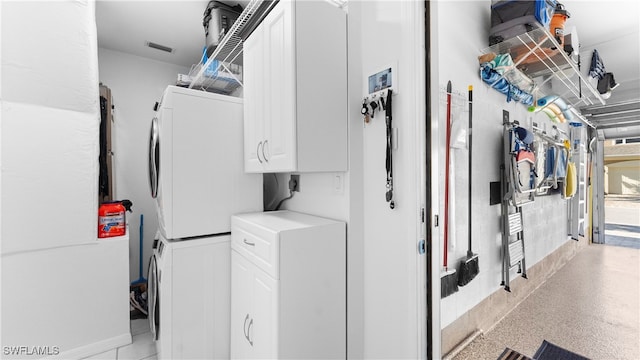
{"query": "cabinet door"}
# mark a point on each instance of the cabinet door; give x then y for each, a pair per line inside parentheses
(254, 116)
(264, 332)
(241, 306)
(279, 94)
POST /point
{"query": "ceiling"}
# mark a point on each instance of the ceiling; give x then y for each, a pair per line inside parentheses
(127, 26)
(612, 27)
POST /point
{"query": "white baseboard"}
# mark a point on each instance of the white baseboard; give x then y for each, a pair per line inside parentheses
(94, 348)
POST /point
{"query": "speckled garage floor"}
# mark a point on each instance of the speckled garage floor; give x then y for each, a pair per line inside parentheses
(591, 306)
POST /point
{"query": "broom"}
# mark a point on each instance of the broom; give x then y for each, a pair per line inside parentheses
(469, 267)
(449, 278)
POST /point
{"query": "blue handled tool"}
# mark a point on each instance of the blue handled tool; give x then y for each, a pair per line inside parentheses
(141, 279)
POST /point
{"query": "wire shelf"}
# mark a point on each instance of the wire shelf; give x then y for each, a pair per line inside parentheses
(223, 68)
(538, 55)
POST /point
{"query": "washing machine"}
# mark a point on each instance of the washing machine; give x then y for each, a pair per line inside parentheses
(189, 297)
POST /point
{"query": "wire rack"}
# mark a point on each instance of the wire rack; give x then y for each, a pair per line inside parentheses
(222, 72)
(539, 56)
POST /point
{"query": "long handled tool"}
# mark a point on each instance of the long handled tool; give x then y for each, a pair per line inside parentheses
(469, 267)
(141, 279)
(448, 278)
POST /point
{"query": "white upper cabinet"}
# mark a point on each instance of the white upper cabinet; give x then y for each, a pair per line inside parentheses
(295, 90)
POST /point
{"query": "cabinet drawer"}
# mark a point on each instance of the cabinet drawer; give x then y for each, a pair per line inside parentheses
(260, 250)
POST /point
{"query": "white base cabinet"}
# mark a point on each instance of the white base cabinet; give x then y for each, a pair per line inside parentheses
(295, 90)
(288, 286)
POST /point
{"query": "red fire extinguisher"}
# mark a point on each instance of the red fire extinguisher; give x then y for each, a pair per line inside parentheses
(112, 218)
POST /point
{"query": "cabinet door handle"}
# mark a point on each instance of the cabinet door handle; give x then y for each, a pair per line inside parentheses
(244, 328)
(258, 152)
(263, 155)
(249, 243)
(249, 332)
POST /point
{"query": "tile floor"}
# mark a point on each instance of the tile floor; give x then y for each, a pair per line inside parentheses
(141, 348)
(591, 306)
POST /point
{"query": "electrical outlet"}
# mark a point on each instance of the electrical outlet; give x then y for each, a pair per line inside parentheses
(294, 182)
(338, 183)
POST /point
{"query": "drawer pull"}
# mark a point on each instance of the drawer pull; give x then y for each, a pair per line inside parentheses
(249, 243)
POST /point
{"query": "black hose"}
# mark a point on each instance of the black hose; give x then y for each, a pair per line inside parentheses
(283, 200)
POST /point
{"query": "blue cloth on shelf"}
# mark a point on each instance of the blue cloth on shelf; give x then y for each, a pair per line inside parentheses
(496, 81)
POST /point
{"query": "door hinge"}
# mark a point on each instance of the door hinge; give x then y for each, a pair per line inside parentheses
(435, 220)
(421, 247)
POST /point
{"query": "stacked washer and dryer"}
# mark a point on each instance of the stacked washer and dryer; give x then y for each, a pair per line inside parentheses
(196, 174)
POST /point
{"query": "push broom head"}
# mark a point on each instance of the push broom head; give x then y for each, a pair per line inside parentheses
(468, 270)
(448, 283)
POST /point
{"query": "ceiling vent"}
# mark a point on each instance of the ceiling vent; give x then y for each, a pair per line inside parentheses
(159, 47)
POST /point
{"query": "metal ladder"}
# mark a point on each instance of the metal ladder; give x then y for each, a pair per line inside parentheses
(513, 248)
(577, 205)
(513, 254)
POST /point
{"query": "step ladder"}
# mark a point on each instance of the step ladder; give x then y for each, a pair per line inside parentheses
(513, 249)
(513, 244)
(578, 204)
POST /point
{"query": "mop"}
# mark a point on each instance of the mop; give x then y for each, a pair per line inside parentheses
(448, 278)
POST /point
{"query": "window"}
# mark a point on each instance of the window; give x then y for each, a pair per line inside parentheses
(627, 141)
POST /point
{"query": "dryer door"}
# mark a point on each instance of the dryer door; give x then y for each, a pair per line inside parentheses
(154, 158)
(154, 298)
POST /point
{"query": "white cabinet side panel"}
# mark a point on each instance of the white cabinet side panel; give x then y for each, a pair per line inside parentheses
(321, 86)
(313, 293)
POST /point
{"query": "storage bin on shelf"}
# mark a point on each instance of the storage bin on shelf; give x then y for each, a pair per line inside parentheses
(221, 68)
(510, 18)
(217, 76)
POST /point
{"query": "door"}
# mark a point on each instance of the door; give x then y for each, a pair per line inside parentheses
(254, 95)
(279, 127)
(262, 329)
(241, 306)
(154, 158)
(254, 309)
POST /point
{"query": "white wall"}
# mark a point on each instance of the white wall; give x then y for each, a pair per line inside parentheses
(72, 298)
(136, 83)
(624, 177)
(50, 126)
(384, 269)
(54, 270)
(455, 58)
